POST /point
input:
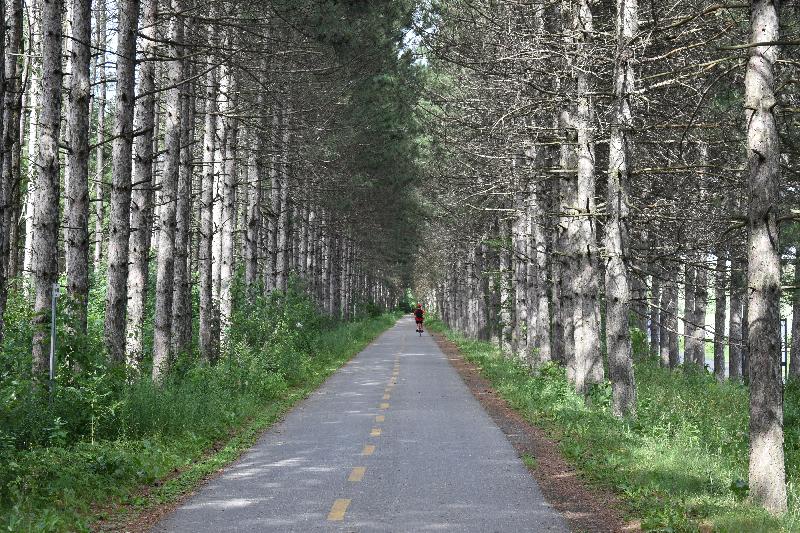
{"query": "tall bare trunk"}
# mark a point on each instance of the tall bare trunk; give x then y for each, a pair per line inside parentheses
(100, 136)
(520, 266)
(620, 358)
(208, 346)
(77, 205)
(282, 262)
(720, 305)
(767, 470)
(181, 301)
(142, 190)
(119, 224)
(699, 316)
(794, 354)
(689, 275)
(34, 103)
(165, 268)
(10, 146)
(46, 204)
(228, 208)
(586, 309)
(735, 337)
(253, 223)
(655, 315)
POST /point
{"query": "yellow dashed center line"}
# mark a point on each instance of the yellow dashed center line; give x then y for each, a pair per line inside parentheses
(338, 510)
(380, 418)
(376, 432)
(369, 449)
(385, 396)
(384, 406)
(357, 473)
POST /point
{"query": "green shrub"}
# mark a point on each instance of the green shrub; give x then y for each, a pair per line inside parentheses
(680, 463)
(104, 433)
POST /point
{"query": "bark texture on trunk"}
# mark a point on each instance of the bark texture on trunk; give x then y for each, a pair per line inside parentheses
(165, 265)
(208, 345)
(99, 152)
(119, 224)
(44, 240)
(585, 282)
(77, 204)
(767, 470)
(142, 191)
(181, 300)
(620, 357)
(10, 147)
(228, 208)
(720, 306)
(794, 353)
(735, 321)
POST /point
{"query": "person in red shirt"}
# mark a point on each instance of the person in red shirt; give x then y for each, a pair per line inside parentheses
(419, 317)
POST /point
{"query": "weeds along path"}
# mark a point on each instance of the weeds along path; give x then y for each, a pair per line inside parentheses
(392, 442)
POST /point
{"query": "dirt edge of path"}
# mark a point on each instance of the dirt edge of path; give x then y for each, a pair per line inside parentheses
(584, 508)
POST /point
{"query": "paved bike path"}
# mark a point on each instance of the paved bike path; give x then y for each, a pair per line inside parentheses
(394, 441)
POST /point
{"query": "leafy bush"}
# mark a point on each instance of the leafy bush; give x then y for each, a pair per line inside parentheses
(103, 433)
(679, 464)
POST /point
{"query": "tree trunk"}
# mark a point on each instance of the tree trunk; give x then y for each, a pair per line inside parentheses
(586, 310)
(181, 300)
(504, 281)
(208, 346)
(699, 317)
(10, 146)
(44, 240)
(655, 316)
(794, 353)
(282, 262)
(228, 205)
(35, 104)
(119, 228)
(142, 191)
(689, 275)
(100, 136)
(253, 224)
(720, 305)
(77, 205)
(165, 268)
(767, 471)
(520, 262)
(620, 358)
(735, 322)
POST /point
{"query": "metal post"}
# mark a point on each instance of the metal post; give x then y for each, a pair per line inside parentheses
(53, 339)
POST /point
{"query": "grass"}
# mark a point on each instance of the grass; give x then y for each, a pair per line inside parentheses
(68, 486)
(681, 465)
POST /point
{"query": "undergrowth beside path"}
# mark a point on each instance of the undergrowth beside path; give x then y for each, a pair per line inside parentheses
(138, 445)
(681, 465)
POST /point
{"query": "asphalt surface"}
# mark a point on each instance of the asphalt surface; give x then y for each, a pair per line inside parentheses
(394, 441)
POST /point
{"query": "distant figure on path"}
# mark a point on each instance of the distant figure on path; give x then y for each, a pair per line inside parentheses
(419, 317)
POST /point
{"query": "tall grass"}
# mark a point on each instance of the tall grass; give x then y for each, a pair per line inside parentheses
(104, 433)
(680, 465)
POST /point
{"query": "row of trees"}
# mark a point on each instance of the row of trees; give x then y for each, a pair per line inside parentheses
(156, 150)
(599, 163)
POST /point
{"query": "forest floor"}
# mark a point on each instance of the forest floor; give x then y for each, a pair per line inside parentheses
(585, 507)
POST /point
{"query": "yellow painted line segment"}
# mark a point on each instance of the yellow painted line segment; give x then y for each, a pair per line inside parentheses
(338, 509)
(384, 406)
(369, 449)
(385, 396)
(376, 432)
(380, 418)
(357, 473)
